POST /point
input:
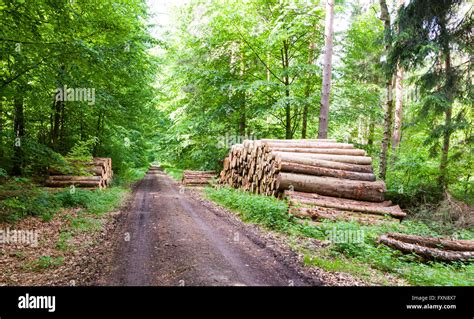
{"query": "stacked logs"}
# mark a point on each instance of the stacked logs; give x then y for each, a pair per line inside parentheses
(430, 248)
(323, 166)
(319, 207)
(99, 175)
(197, 178)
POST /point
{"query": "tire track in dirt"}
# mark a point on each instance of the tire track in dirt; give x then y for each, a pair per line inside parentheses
(176, 240)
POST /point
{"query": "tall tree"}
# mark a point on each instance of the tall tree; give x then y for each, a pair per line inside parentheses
(431, 33)
(388, 105)
(397, 127)
(327, 66)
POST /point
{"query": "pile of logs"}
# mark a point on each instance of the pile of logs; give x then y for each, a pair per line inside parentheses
(325, 167)
(99, 175)
(430, 248)
(197, 178)
(319, 207)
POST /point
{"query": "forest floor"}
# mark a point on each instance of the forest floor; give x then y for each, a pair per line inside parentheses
(169, 236)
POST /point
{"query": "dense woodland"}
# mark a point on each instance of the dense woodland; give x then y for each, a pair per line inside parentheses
(396, 81)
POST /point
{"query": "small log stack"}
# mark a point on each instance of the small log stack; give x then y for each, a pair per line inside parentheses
(324, 167)
(197, 178)
(430, 248)
(100, 170)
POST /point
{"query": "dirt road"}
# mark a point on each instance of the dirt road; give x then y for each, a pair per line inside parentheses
(167, 237)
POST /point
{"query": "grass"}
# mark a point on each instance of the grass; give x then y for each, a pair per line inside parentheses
(175, 173)
(362, 259)
(44, 262)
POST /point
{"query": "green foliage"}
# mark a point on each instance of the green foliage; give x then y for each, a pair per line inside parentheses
(352, 256)
(44, 262)
(268, 211)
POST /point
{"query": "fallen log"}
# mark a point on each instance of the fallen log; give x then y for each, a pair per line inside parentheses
(337, 187)
(317, 213)
(292, 167)
(433, 242)
(302, 195)
(393, 211)
(426, 252)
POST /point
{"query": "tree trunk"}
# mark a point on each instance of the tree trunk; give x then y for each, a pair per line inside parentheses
(385, 17)
(360, 160)
(1, 129)
(449, 85)
(329, 186)
(441, 243)
(295, 158)
(19, 130)
(292, 167)
(326, 86)
(426, 252)
(242, 101)
(307, 92)
(334, 151)
(286, 64)
(397, 130)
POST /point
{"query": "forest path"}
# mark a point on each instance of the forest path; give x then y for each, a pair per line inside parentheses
(176, 240)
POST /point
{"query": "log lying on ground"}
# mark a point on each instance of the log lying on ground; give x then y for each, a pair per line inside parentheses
(426, 252)
(321, 213)
(197, 177)
(302, 195)
(433, 242)
(336, 187)
(340, 204)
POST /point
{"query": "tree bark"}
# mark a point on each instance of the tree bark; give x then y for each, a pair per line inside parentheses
(295, 158)
(426, 252)
(388, 108)
(307, 92)
(360, 160)
(326, 85)
(19, 130)
(397, 129)
(329, 186)
(441, 243)
(291, 167)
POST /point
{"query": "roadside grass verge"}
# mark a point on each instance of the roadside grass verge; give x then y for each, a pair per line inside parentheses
(365, 258)
(175, 173)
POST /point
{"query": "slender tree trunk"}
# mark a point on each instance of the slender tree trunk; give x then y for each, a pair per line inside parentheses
(242, 101)
(397, 130)
(19, 129)
(307, 92)
(370, 138)
(326, 87)
(448, 114)
(1, 128)
(285, 64)
(388, 107)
